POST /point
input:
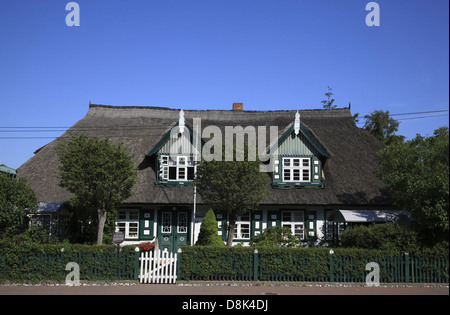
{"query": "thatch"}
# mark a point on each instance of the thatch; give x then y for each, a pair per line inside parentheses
(349, 172)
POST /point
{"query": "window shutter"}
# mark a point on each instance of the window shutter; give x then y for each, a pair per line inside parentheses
(273, 218)
(222, 225)
(146, 220)
(257, 220)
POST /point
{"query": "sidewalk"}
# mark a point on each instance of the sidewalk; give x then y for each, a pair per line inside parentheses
(224, 288)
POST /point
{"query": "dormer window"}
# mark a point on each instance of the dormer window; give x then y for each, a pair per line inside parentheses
(296, 170)
(299, 157)
(179, 168)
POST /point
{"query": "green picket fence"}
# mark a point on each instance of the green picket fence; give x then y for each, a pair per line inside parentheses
(231, 265)
(296, 266)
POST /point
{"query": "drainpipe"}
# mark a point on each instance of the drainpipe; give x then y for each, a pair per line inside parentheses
(197, 123)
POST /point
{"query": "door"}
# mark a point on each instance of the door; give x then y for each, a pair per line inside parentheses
(173, 230)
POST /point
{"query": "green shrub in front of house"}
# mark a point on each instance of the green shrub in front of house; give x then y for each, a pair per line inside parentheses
(23, 261)
(208, 235)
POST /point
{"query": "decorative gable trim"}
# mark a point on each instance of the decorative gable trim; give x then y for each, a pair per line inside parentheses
(305, 135)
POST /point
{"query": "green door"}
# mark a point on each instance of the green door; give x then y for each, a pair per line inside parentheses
(173, 230)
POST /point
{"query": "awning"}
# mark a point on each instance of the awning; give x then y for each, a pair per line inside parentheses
(365, 216)
(50, 207)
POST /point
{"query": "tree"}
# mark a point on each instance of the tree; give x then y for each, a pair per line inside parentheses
(232, 187)
(328, 103)
(417, 174)
(383, 127)
(98, 173)
(16, 201)
(209, 235)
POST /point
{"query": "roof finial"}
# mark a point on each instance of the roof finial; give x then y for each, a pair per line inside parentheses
(181, 121)
(297, 123)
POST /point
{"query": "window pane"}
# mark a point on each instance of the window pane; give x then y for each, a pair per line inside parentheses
(190, 173)
(305, 162)
(286, 174)
(245, 217)
(133, 230)
(296, 162)
(172, 173)
(166, 222)
(164, 159)
(296, 176)
(286, 216)
(182, 222)
(245, 230)
(298, 216)
(120, 226)
(305, 175)
(287, 162)
(182, 173)
(133, 215)
(181, 160)
(298, 230)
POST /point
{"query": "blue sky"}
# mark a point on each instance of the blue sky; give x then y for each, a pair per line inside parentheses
(207, 54)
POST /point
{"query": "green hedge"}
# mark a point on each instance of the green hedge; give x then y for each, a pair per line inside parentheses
(307, 264)
(29, 262)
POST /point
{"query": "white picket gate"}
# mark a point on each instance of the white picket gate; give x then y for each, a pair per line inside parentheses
(158, 267)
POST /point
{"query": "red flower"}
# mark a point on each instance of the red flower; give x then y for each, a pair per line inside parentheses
(146, 246)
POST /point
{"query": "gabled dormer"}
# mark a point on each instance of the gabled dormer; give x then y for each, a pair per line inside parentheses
(174, 155)
(299, 158)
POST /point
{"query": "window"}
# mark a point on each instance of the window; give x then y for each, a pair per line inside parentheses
(182, 222)
(295, 221)
(128, 222)
(166, 226)
(178, 168)
(242, 229)
(296, 170)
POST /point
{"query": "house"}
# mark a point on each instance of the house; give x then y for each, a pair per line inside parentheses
(8, 170)
(318, 162)
(53, 217)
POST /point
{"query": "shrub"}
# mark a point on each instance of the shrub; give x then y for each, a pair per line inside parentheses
(209, 235)
(276, 236)
(386, 236)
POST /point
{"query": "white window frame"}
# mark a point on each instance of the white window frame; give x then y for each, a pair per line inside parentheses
(181, 163)
(297, 168)
(243, 223)
(129, 223)
(295, 220)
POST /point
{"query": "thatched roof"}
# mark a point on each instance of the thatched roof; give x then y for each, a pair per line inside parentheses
(349, 171)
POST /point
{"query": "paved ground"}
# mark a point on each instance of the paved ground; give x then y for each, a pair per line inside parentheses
(218, 288)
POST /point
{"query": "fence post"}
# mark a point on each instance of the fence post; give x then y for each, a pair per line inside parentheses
(331, 266)
(179, 263)
(136, 263)
(407, 267)
(255, 265)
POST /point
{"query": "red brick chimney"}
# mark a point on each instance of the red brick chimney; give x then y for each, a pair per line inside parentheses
(238, 106)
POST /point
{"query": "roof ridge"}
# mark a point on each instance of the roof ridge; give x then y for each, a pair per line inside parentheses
(335, 110)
